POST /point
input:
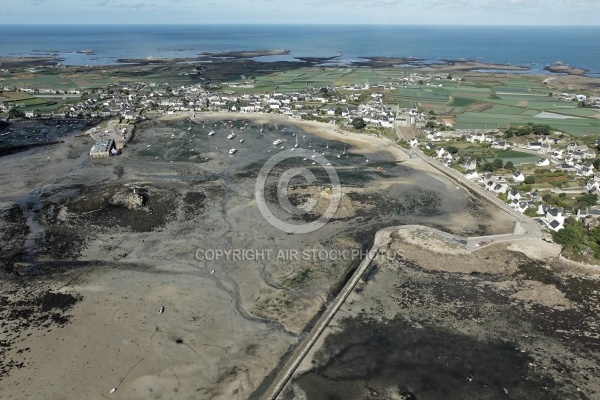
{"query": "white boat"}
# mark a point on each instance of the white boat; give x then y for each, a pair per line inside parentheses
(232, 151)
(278, 141)
(189, 128)
(296, 145)
(231, 135)
(241, 140)
(211, 133)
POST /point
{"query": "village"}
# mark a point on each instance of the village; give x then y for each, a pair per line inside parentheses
(540, 172)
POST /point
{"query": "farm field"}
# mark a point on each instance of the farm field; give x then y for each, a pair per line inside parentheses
(471, 100)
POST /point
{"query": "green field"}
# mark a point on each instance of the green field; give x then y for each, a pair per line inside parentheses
(475, 101)
(514, 156)
(487, 102)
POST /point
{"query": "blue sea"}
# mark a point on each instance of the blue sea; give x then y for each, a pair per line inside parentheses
(533, 47)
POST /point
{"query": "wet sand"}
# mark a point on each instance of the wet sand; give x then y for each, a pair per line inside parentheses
(226, 323)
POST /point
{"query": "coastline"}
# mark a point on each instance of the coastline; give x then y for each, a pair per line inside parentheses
(251, 59)
(209, 332)
(146, 318)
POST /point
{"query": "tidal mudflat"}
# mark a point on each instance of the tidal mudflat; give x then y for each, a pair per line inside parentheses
(494, 324)
(119, 238)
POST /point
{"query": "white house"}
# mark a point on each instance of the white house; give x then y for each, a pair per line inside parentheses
(589, 153)
(534, 146)
(500, 145)
(556, 225)
(555, 214)
(572, 146)
(569, 160)
(469, 165)
(514, 195)
(500, 188)
(517, 176)
(433, 135)
(476, 137)
(473, 175)
(543, 162)
(586, 171)
(592, 185)
(520, 206)
(541, 210)
(558, 154)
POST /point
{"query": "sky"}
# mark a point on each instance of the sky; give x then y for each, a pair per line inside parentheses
(400, 12)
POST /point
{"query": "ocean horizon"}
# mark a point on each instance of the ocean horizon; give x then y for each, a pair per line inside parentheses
(530, 46)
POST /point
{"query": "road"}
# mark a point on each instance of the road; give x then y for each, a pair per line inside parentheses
(530, 228)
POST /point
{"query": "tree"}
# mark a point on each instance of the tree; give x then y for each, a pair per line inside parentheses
(571, 234)
(338, 111)
(589, 199)
(529, 180)
(497, 164)
(487, 167)
(430, 124)
(509, 165)
(540, 130)
(452, 150)
(597, 163)
(546, 197)
(358, 123)
(14, 113)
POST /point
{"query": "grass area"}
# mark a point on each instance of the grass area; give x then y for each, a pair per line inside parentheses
(488, 154)
(462, 102)
(513, 154)
(14, 96)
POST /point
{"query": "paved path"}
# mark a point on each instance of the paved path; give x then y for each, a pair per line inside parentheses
(525, 228)
(382, 238)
